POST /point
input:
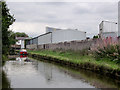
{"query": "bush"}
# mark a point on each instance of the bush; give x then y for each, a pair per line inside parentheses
(111, 52)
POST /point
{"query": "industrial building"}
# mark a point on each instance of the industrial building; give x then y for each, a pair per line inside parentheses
(67, 35)
(51, 29)
(119, 18)
(54, 35)
(108, 29)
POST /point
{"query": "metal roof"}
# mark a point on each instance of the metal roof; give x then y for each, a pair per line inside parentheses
(41, 35)
(22, 38)
(110, 22)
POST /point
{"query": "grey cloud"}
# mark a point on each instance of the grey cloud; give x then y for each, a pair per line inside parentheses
(31, 13)
(75, 15)
(82, 11)
(98, 8)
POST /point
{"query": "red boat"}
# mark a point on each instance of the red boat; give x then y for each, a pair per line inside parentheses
(23, 52)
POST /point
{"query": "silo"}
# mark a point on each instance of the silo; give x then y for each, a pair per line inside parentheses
(108, 29)
(119, 18)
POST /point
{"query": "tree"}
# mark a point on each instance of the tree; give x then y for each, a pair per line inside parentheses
(12, 38)
(19, 34)
(95, 36)
(7, 20)
(13, 35)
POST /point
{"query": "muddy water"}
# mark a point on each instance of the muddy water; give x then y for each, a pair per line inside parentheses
(24, 72)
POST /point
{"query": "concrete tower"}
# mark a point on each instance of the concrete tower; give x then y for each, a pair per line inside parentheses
(119, 18)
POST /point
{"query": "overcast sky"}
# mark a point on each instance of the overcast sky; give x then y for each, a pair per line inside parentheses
(33, 17)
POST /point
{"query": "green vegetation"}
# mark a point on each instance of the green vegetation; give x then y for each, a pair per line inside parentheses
(110, 52)
(77, 58)
(5, 82)
(13, 35)
(13, 40)
(7, 20)
(21, 34)
(4, 58)
(8, 36)
(95, 36)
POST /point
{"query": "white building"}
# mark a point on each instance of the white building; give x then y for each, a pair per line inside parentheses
(21, 41)
(67, 35)
(108, 29)
(45, 38)
(51, 29)
(58, 35)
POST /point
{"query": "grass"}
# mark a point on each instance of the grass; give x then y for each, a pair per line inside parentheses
(77, 57)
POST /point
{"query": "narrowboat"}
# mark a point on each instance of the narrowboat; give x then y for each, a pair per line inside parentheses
(23, 52)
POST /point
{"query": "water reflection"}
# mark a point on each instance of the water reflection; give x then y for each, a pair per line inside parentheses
(5, 81)
(85, 76)
(28, 73)
(22, 58)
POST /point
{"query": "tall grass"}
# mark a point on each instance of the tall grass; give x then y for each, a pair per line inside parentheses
(109, 49)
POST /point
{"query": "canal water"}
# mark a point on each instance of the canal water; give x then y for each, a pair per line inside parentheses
(24, 72)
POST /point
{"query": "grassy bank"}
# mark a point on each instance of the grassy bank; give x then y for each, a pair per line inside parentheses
(77, 58)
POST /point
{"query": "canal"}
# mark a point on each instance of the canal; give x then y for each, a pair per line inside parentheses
(24, 72)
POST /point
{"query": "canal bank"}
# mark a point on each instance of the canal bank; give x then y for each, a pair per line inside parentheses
(75, 61)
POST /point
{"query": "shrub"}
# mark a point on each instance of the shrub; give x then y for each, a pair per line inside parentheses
(110, 50)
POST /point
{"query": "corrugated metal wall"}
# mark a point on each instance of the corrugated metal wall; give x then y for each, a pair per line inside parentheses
(108, 29)
(31, 41)
(45, 39)
(107, 34)
(67, 35)
(59, 36)
(107, 26)
(35, 41)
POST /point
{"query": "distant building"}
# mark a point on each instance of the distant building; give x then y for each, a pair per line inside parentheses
(68, 35)
(54, 35)
(108, 29)
(21, 41)
(119, 18)
(51, 29)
